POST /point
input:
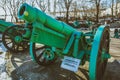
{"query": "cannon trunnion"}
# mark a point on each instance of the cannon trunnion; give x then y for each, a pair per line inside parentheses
(60, 39)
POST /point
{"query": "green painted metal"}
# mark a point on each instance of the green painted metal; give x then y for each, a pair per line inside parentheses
(48, 54)
(31, 51)
(95, 51)
(31, 15)
(53, 38)
(27, 33)
(18, 39)
(59, 34)
(60, 39)
(70, 42)
(4, 25)
(116, 33)
(105, 55)
(89, 23)
(76, 46)
(76, 23)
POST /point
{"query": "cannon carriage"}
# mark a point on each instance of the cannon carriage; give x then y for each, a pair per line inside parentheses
(60, 39)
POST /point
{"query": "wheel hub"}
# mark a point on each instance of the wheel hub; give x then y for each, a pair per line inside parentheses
(18, 39)
(48, 54)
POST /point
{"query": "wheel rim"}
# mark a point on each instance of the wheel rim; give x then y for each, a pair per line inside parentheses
(12, 39)
(100, 49)
(42, 55)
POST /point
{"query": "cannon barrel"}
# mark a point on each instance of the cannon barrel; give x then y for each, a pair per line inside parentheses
(32, 15)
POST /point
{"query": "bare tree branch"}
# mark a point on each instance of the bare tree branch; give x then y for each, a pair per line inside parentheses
(3, 6)
(41, 4)
(67, 4)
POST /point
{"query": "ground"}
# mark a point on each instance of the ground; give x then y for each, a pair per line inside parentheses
(19, 66)
(113, 66)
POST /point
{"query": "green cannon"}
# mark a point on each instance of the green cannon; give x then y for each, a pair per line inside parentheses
(61, 40)
(80, 24)
(116, 33)
(14, 37)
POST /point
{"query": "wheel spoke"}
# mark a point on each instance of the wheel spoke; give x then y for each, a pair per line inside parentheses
(13, 46)
(40, 54)
(9, 42)
(17, 48)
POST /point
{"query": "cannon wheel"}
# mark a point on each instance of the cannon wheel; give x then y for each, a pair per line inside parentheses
(43, 55)
(99, 54)
(9, 39)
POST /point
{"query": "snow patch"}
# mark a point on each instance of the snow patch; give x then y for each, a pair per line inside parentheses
(3, 74)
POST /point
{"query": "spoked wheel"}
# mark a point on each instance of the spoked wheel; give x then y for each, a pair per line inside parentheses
(13, 40)
(99, 54)
(41, 54)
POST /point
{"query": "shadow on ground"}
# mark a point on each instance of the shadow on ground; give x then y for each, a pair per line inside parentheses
(30, 70)
(113, 71)
(33, 71)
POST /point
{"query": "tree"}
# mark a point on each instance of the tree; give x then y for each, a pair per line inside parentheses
(48, 4)
(13, 6)
(41, 4)
(74, 6)
(112, 6)
(60, 6)
(54, 10)
(104, 4)
(67, 4)
(3, 6)
(97, 5)
(83, 7)
(116, 8)
(31, 2)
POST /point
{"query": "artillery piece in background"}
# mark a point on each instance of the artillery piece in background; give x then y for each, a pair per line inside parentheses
(116, 33)
(14, 37)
